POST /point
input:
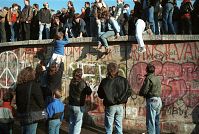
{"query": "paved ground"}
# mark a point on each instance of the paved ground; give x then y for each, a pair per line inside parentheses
(64, 129)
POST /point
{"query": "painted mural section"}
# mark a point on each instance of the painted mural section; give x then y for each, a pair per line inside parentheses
(176, 64)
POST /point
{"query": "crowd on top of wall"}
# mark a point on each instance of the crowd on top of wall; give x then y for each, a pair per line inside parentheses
(161, 16)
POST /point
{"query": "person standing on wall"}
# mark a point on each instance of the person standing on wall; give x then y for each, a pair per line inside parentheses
(78, 89)
(167, 16)
(44, 21)
(25, 19)
(3, 13)
(151, 90)
(12, 19)
(140, 25)
(115, 91)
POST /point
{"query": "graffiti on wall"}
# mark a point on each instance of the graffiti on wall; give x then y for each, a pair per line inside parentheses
(178, 80)
(8, 68)
(177, 65)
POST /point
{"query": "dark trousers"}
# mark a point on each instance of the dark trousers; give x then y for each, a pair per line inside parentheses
(186, 26)
(25, 29)
(5, 128)
(34, 31)
(2, 32)
(93, 27)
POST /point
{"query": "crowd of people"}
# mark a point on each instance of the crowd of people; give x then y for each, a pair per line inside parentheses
(37, 94)
(98, 20)
(38, 91)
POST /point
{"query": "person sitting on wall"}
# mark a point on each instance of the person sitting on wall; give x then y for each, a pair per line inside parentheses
(112, 29)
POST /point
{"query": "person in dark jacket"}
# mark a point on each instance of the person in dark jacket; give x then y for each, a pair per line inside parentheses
(3, 14)
(87, 18)
(185, 11)
(54, 76)
(151, 90)
(79, 26)
(195, 17)
(70, 16)
(25, 19)
(44, 21)
(29, 98)
(57, 26)
(78, 90)
(115, 91)
(35, 23)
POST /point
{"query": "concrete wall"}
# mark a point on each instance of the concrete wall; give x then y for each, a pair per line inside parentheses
(177, 64)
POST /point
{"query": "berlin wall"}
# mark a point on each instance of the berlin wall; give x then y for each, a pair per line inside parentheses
(177, 65)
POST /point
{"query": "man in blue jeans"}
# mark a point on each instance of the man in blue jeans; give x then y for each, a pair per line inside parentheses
(152, 8)
(167, 14)
(151, 90)
(115, 91)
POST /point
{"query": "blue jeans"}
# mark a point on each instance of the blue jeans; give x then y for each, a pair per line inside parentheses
(150, 18)
(29, 129)
(75, 119)
(13, 32)
(167, 22)
(104, 37)
(113, 114)
(53, 126)
(153, 107)
(41, 28)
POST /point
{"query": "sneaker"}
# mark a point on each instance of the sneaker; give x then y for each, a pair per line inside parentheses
(149, 32)
(99, 46)
(108, 50)
(141, 49)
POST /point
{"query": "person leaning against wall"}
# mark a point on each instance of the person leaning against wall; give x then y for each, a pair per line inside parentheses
(151, 90)
(115, 91)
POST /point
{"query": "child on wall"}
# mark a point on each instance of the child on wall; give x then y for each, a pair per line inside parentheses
(60, 41)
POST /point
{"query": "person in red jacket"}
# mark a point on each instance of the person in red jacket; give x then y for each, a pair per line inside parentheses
(6, 116)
